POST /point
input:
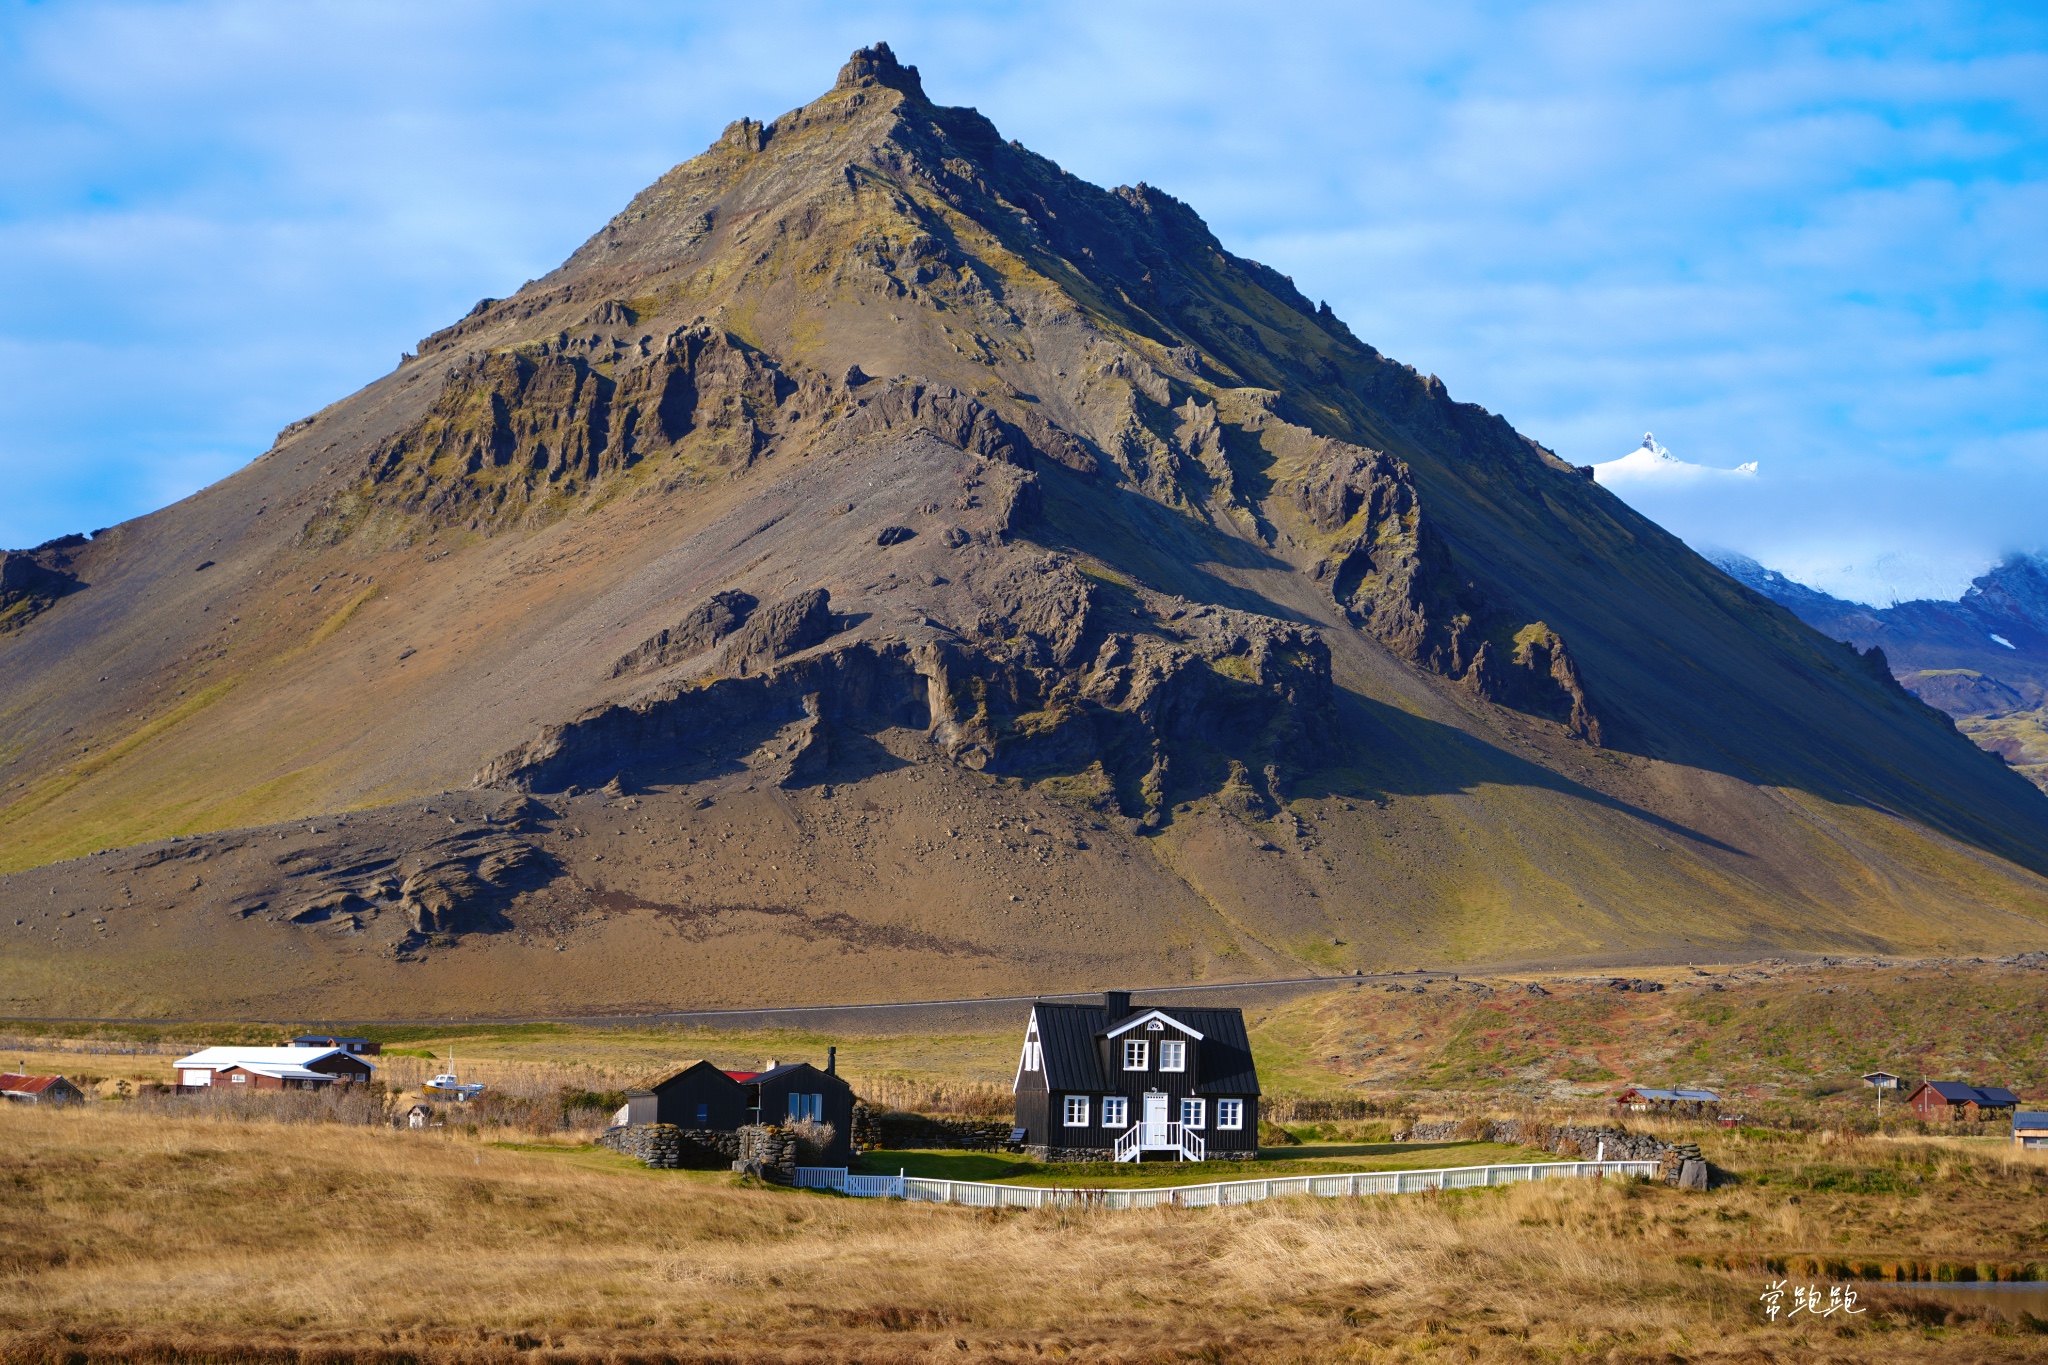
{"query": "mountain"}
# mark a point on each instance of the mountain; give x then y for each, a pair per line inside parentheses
(880, 564)
(1982, 659)
(1652, 463)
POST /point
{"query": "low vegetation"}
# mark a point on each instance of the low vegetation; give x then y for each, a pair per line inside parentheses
(136, 1236)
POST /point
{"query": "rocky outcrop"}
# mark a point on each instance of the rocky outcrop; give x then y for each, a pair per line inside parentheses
(1203, 700)
(1393, 575)
(702, 627)
(31, 581)
(515, 433)
(457, 887)
(788, 627)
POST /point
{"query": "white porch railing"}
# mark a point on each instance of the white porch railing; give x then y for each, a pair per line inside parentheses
(1141, 1138)
(978, 1195)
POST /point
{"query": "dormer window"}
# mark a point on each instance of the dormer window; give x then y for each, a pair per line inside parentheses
(1173, 1055)
(1137, 1054)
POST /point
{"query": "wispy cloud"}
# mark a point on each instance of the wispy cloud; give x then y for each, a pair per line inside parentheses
(1806, 235)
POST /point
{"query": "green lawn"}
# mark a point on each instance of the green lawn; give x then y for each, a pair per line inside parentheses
(1307, 1159)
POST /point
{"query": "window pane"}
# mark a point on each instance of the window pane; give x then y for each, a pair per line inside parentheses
(1172, 1056)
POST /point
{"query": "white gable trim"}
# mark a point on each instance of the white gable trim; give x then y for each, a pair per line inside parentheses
(1137, 1020)
(1030, 1032)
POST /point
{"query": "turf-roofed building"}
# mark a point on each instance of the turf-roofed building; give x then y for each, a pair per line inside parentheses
(1110, 1083)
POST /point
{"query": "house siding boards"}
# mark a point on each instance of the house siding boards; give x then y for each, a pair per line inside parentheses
(726, 1104)
(1080, 1058)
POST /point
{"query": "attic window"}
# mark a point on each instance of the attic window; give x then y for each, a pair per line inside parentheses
(1173, 1056)
(1155, 1027)
(1034, 1055)
(1136, 1054)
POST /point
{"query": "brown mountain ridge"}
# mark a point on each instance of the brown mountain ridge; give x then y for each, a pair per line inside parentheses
(879, 563)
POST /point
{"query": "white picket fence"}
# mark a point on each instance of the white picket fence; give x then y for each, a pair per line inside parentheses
(976, 1194)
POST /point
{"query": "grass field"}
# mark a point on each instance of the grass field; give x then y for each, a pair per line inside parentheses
(127, 1237)
(1308, 1159)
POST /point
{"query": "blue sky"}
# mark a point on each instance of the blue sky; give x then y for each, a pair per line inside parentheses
(1814, 236)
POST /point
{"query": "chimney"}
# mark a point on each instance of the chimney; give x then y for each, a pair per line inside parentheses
(831, 1061)
(1118, 1003)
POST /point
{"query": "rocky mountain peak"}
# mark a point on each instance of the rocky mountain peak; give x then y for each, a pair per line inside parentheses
(868, 475)
(877, 65)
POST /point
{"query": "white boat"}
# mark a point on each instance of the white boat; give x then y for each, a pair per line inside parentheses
(449, 1086)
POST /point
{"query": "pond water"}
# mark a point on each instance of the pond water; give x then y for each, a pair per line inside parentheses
(2008, 1299)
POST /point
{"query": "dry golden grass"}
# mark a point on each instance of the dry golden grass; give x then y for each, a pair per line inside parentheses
(128, 1237)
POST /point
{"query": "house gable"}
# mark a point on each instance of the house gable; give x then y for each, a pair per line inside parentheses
(1148, 1018)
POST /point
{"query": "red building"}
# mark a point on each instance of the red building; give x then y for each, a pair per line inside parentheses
(1949, 1101)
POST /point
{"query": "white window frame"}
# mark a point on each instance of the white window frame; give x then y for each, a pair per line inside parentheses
(238, 1078)
(1034, 1055)
(1076, 1111)
(1230, 1114)
(1173, 1055)
(1116, 1112)
(1137, 1054)
(1193, 1113)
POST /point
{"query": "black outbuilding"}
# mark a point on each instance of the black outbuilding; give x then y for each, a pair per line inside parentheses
(798, 1090)
(1110, 1083)
(699, 1096)
(703, 1097)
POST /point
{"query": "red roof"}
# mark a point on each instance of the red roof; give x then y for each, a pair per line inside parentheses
(27, 1085)
(743, 1076)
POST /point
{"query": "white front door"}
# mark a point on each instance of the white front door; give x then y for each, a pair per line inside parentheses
(1155, 1121)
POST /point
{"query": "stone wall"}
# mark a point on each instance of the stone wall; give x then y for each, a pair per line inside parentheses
(767, 1151)
(896, 1131)
(665, 1147)
(1573, 1142)
(1041, 1152)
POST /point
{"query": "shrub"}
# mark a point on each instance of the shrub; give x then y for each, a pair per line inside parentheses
(813, 1140)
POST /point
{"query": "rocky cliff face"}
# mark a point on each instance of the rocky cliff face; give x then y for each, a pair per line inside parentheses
(31, 581)
(1030, 585)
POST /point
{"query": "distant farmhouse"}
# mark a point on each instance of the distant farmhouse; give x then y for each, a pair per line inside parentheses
(1644, 1099)
(1953, 1100)
(17, 1089)
(1109, 1083)
(704, 1098)
(362, 1047)
(271, 1068)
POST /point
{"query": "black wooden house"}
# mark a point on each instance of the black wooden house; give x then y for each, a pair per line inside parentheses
(1110, 1083)
(702, 1097)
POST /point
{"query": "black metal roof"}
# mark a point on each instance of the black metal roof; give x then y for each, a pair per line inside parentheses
(1957, 1092)
(1067, 1035)
(790, 1068)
